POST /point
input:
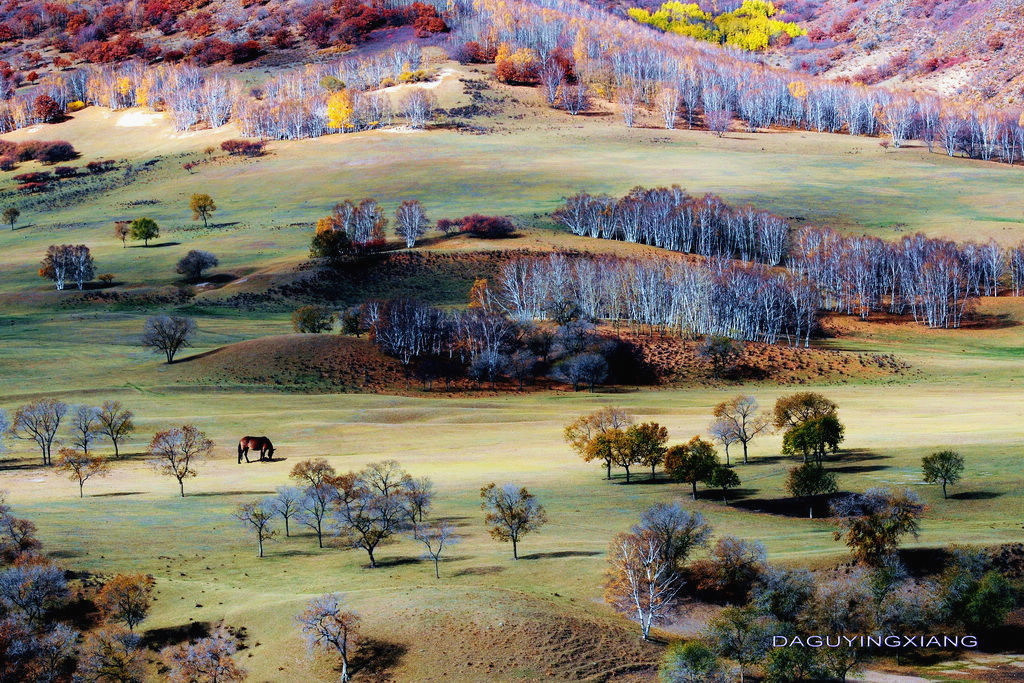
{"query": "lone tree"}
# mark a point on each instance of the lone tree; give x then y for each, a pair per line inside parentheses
(11, 215)
(944, 467)
(810, 479)
(411, 222)
(724, 478)
(257, 515)
(115, 423)
(510, 513)
(175, 452)
(126, 598)
(202, 207)
(435, 538)
(329, 626)
(740, 412)
(81, 467)
(691, 462)
(122, 231)
(582, 434)
(144, 229)
(168, 334)
(640, 579)
(39, 421)
(872, 523)
(208, 659)
(194, 263)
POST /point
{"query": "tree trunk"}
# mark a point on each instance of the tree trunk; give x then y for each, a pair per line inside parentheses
(694, 494)
(81, 486)
(181, 485)
(319, 535)
(437, 571)
(259, 539)
(745, 461)
(944, 490)
(116, 454)
(727, 463)
(654, 475)
(626, 467)
(515, 550)
(286, 535)
(373, 562)
(608, 467)
(344, 669)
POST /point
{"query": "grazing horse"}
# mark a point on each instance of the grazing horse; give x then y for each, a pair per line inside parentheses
(256, 443)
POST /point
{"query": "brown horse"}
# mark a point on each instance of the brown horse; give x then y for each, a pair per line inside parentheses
(256, 443)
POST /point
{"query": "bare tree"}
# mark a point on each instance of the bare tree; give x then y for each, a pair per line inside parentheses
(411, 222)
(287, 503)
(511, 513)
(668, 106)
(574, 97)
(168, 334)
(417, 106)
(328, 625)
(32, 589)
(371, 507)
(86, 427)
(419, 494)
(39, 421)
(175, 452)
(436, 538)
(81, 467)
(320, 492)
(677, 530)
(257, 515)
(207, 660)
(723, 431)
(111, 654)
(741, 413)
(115, 423)
(640, 580)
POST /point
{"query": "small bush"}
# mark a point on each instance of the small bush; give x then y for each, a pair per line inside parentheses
(65, 171)
(76, 105)
(487, 227)
(246, 148)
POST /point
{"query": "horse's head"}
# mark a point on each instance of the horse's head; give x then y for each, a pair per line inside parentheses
(270, 453)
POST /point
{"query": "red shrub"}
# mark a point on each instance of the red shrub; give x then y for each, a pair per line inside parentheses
(246, 148)
(488, 227)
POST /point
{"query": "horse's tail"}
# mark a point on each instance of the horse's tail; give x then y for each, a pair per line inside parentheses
(239, 451)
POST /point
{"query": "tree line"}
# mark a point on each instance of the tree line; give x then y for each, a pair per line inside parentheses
(308, 102)
(672, 219)
(684, 80)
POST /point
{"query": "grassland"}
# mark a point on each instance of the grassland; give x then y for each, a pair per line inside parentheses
(488, 617)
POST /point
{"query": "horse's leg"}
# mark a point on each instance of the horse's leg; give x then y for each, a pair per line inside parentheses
(245, 452)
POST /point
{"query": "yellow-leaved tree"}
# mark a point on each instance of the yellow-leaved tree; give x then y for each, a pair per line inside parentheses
(340, 110)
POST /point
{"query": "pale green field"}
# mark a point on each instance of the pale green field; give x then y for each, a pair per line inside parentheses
(967, 395)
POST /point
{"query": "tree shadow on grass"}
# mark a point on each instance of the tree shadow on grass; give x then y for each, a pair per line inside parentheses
(790, 507)
(857, 469)
(975, 495)
(117, 494)
(560, 554)
(208, 494)
(155, 245)
(158, 638)
(480, 571)
(394, 562)
(375, 657)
